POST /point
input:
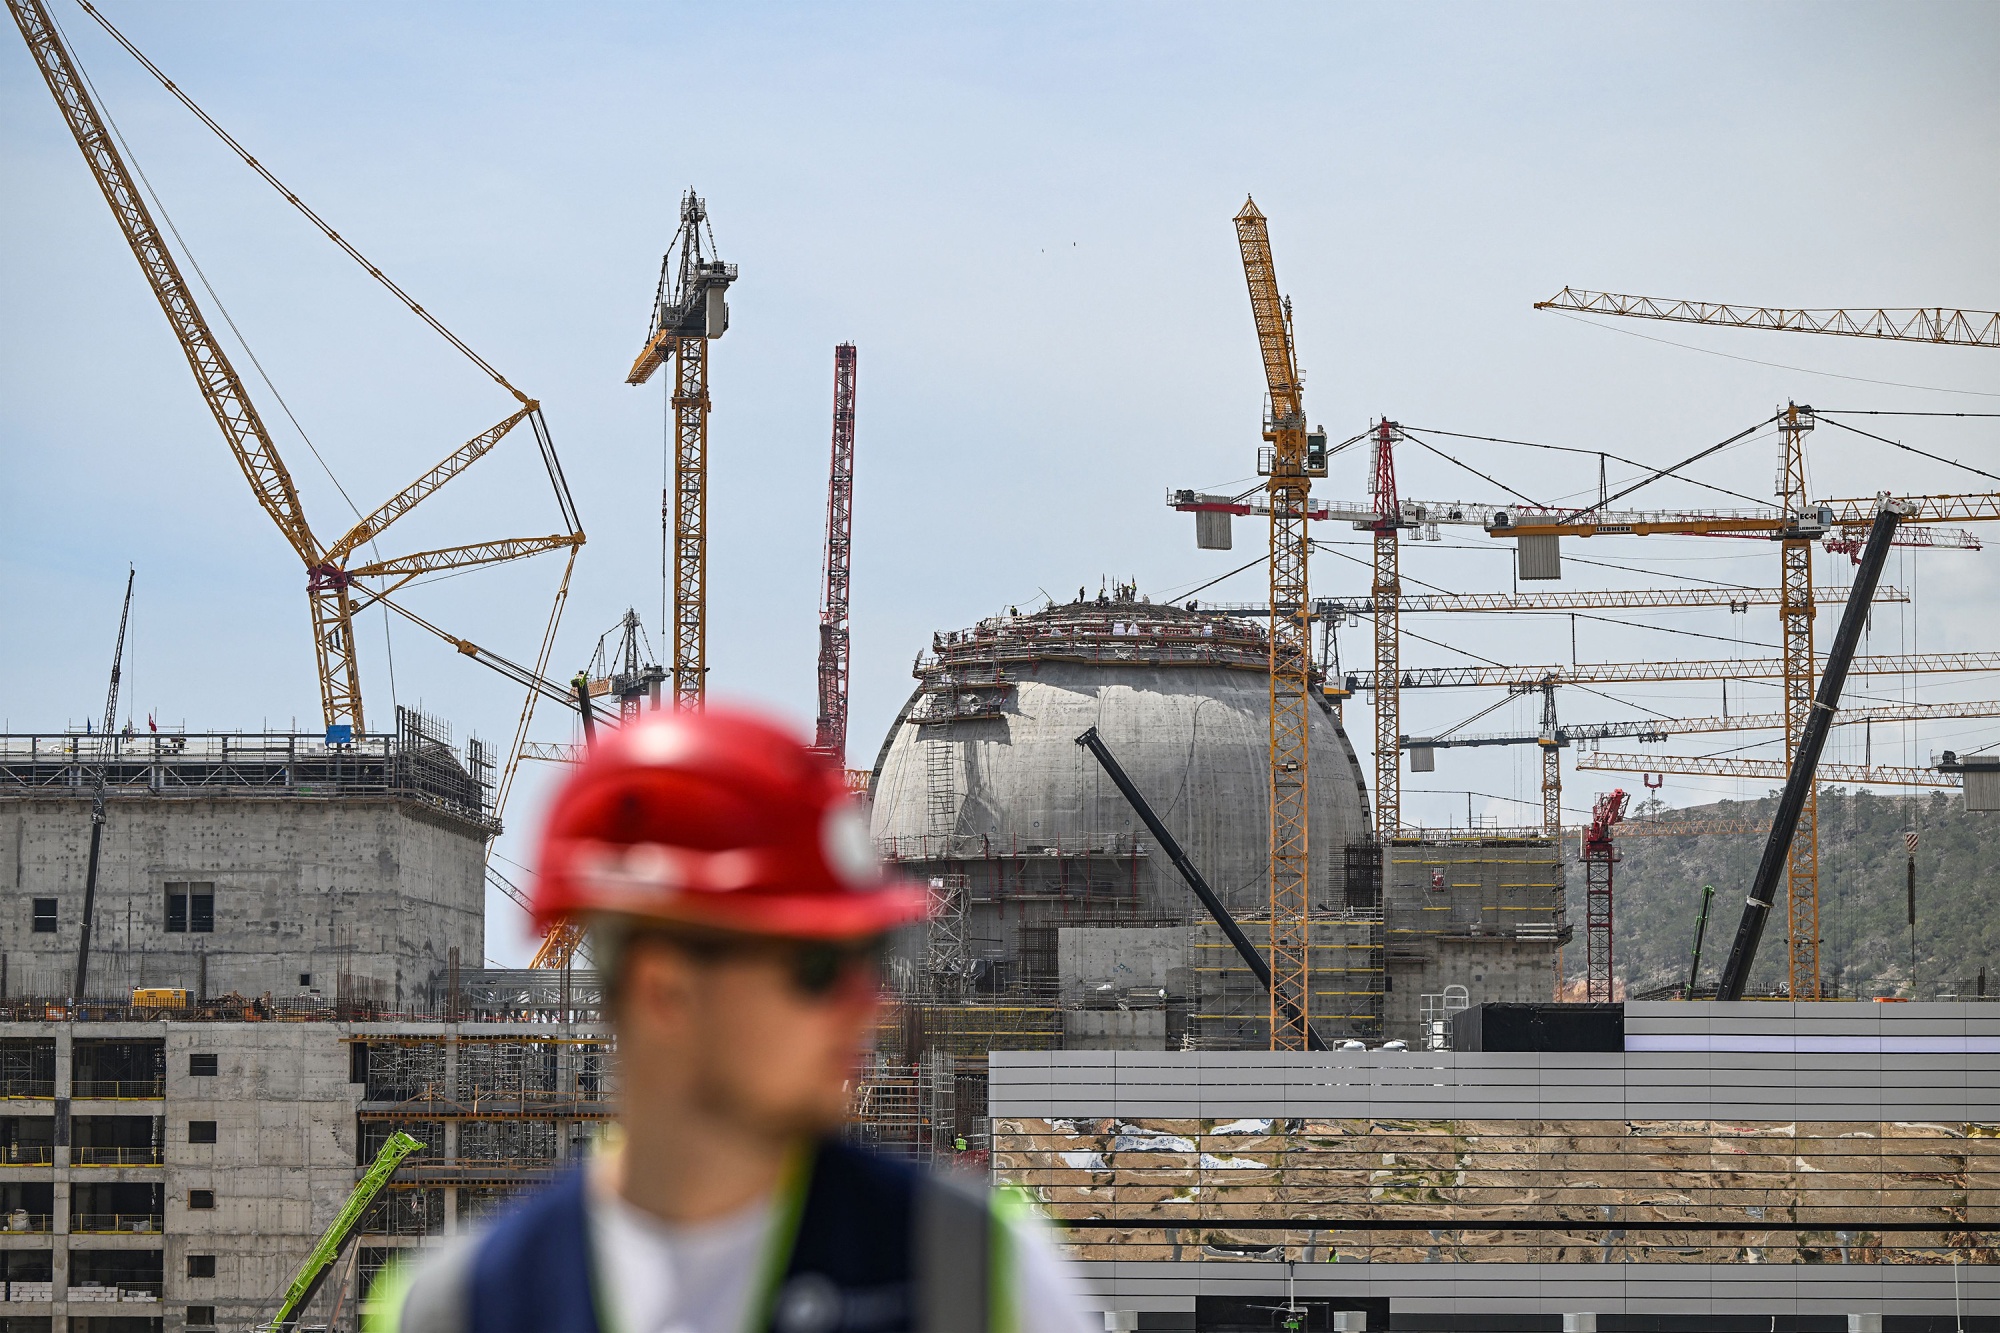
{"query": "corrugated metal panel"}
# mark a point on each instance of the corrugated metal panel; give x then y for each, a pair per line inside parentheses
(1540, 557)
(1859, 1062)
(1982, 787)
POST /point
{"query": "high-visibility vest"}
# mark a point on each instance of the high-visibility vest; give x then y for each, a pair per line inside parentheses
(862, 1244)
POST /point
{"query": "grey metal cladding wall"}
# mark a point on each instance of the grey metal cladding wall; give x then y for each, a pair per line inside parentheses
(1703, 1061)
(1690, 1289)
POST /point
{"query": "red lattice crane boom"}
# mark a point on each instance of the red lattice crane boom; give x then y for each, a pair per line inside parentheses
(1599, 859)
(830, 735)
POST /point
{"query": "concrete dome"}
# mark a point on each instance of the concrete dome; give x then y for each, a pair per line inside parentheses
(981, 773)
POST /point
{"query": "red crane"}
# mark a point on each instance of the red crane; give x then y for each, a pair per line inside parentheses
(831, 733)
(1599, 856)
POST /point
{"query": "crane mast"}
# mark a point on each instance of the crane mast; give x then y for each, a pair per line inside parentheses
(1387, 592)
(1795, 616)
(1287, 461)
(1600, 860)
(831, 732)
(689, 311)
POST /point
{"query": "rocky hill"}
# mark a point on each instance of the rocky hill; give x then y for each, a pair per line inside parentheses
(1865, 938)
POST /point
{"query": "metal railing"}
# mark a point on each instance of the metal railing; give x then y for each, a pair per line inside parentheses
(91, 1155)
(21, 1220)
(108, 1224)
(278, 763)
(984, 847)
(27, 1154)
(118, 1089)
(42, 1088)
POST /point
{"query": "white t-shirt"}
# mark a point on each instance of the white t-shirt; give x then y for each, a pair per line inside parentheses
(669, 1277)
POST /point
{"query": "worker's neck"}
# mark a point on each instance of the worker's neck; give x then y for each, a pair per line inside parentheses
(682, 1165)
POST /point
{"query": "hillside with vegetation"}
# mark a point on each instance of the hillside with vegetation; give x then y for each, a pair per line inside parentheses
(1864, 933)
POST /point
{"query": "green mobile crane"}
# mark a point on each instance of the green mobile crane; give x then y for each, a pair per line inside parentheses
(326, 1251)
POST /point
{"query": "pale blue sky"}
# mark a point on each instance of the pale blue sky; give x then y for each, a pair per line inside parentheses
(1021, 215)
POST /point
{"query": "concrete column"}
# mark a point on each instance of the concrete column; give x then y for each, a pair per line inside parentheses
(451, 1126)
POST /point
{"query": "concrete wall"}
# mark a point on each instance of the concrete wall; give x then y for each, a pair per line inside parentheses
(1195, 739)
(379, 888)
(1089, 956)
(1114, 1030)
(1454, 914)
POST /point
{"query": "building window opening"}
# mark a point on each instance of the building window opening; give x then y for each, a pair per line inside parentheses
(201, 1200)
(201, 1066)
(45, 916)
(114, 1208)
(201, 1131)
(201, 1265)
(190, 908)
(117, 1275)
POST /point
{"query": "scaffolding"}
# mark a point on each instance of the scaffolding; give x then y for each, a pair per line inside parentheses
(417, 763)
(1346, 964)
(497, 1113)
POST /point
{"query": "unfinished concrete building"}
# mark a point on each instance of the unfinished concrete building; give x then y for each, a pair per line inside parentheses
(1060, 924)
(160, 1176)
(253, 864)
(981, 777)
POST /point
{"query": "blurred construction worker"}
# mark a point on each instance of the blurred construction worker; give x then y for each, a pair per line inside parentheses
(738, 913)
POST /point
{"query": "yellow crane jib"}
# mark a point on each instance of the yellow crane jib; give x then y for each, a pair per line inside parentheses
(1931, 324)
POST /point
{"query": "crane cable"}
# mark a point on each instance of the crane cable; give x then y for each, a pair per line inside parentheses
(303, 207)
(1421, 443)
(1912, 449)
(1695, 457)
(215, 297)
(1572, 449)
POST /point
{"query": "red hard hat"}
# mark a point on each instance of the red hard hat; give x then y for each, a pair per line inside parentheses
(721, 819)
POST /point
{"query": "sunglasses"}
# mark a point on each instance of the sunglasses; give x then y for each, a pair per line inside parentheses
(815, 968)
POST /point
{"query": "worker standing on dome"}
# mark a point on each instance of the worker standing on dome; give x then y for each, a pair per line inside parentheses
(738, 912)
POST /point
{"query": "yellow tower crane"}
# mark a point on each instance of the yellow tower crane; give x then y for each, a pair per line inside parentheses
(336, 587)
(1290, 462)
(690, 309)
